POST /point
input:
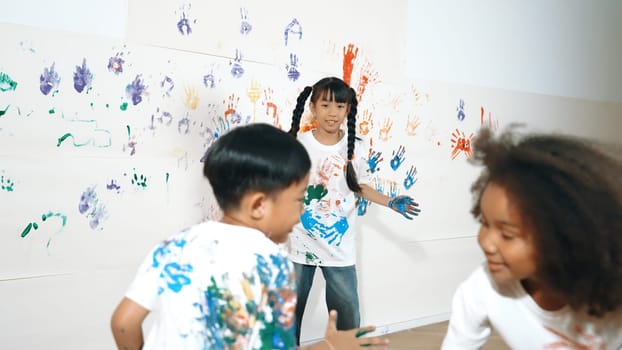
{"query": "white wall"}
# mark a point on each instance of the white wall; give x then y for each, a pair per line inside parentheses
(566, 48)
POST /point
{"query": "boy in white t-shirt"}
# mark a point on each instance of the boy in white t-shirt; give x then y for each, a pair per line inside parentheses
(229, 284)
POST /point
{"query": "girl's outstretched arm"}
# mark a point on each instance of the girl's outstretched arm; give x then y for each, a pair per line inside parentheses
(404, 205)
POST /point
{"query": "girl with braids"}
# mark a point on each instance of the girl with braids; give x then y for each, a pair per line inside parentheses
(550, 208)
(324, 237)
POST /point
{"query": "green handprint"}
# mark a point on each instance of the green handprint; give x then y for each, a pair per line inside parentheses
(139, 180)
(315, 192)
(6, 184)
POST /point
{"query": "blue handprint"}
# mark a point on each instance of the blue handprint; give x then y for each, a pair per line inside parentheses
(398, 157)
(410, 179)
(374, 160)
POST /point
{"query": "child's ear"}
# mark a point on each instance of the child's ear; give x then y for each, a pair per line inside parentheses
(257, 205)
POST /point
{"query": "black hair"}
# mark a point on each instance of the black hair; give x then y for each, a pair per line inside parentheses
(568, 190)
(337, 90)
(254, 157)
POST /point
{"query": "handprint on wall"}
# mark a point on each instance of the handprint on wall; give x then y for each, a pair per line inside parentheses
(292, 68)
(460, 143)
(48, 80)
(398, 157)
(245, 25)
(410, 178)
(349, 55)
(366, 124)
(292, 27)
(237, 71)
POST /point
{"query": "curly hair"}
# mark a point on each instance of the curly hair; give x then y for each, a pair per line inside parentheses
(569, 193)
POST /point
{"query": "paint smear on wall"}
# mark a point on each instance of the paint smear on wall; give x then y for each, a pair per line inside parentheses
(6, 83)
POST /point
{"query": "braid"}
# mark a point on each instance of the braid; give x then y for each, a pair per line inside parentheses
(350, 172)
(297, 112)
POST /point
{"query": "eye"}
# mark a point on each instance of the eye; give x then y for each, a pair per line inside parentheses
(507, 236)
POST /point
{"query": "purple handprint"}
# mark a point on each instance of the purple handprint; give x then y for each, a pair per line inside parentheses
(184, 25)
(293, 27)
(398, 157)
(292, 69)
(460, 110)
(82, 77)
(48, 80)
(115, 64)
(245, 26)
(410, 179)
(236, 68)
(135, 90)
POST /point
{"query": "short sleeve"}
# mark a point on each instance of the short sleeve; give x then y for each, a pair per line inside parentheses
(469, 327)
(144, 288)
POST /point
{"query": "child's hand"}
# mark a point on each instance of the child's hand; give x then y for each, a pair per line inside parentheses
(405, 205)
(351, 339)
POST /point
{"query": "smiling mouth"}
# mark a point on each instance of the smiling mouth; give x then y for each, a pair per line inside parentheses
(495, 266)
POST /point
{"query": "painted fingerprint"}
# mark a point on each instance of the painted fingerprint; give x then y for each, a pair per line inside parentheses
(48, 80)
(82, 77)
(460, 109)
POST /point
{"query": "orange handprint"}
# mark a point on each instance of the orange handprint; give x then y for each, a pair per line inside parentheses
(460, 143)
(349, 55)
(366, 123)
(368, 75)
(412, 125)
(383, 134)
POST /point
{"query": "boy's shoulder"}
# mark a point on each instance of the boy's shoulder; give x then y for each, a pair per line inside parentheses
(223, 236)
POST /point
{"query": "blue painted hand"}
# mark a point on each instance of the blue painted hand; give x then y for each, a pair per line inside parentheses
(405, 205)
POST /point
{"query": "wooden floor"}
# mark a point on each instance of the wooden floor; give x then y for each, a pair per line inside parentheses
(431, 336)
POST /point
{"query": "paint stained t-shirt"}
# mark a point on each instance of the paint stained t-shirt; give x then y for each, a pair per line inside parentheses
(217, 286)
(325, 234)
(481, 304)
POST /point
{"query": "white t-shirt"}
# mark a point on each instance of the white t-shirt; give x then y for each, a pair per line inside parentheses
(217, 286)
(479, 304)
(324, 235)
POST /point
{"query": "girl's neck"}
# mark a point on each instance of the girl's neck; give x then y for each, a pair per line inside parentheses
(543, 295)
(327, 138)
